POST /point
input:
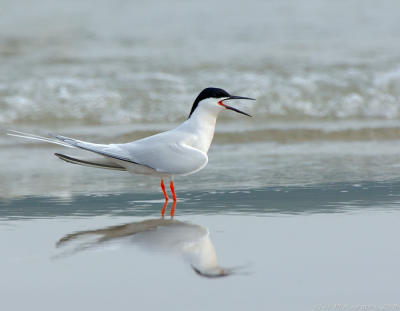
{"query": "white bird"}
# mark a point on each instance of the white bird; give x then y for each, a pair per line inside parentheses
(180, 151)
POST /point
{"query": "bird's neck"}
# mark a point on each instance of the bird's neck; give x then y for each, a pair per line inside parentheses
(201, 125)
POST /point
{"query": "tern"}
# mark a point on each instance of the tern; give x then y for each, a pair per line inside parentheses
(180, 151)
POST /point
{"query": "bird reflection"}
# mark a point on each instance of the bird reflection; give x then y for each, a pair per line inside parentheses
(189, 240)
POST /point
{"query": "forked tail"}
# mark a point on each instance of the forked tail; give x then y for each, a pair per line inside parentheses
(99, 162)
(37, 137)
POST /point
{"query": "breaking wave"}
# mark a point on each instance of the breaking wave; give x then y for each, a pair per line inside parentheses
(80, 95)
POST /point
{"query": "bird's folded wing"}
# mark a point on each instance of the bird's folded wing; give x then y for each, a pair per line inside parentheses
(161, 155)
(172, 158)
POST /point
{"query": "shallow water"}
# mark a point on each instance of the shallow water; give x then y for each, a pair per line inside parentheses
(298, 207)
(283, 248)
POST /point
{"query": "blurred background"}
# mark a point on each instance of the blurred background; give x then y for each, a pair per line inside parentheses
(326, 75)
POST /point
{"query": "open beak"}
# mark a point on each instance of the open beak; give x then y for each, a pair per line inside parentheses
(234, 109)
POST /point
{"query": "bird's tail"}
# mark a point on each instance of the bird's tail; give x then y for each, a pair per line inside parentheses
(37, 137)
(100, 162)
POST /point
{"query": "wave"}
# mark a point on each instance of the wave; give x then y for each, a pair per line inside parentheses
(152, 97)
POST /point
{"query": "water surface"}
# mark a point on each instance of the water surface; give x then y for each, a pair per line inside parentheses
(281, 248)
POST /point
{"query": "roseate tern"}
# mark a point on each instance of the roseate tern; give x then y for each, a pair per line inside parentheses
(180, 151)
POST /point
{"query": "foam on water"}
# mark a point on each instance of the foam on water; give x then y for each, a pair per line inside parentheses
(101, 63)
(127, 98)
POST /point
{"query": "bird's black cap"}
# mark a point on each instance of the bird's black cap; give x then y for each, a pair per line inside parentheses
(210, 92)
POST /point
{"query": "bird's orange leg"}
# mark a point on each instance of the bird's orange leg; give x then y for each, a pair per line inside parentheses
(163, 189)
(172, 186)
(173, 209)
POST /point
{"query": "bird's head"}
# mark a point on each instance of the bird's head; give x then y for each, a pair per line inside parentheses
(215, 100)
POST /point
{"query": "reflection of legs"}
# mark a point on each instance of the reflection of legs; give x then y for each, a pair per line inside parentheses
(164, 208)
(173, 208)
(163, 189)
(172, 186)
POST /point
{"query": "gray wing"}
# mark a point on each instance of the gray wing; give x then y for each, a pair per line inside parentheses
(157, 152)
(167, 157)
(165, 152)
